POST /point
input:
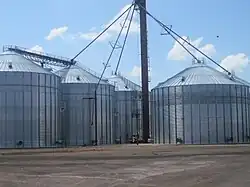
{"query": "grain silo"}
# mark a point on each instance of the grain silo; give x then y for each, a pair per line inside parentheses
(78, 110)
(29, 112)
(201, 105)
(127, 108)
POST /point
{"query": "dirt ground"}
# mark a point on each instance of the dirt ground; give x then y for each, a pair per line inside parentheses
(132, 166)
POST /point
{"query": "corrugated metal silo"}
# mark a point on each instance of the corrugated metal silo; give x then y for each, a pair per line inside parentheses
(201, 105)
(29, 112)
(78, 88)
(127, 113)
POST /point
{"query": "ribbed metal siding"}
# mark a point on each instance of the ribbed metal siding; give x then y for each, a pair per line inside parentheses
(201, 114)
(29, 109)
(78, 114)
(127, 115)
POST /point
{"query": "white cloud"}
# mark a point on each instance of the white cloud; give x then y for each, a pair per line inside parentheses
(235, 62)
(178, 53)
(134, 27)
(208, 49)
(36, 48)
(115, 28)
(92, 29)
(136, 71)
(93, 35)
(56, 32)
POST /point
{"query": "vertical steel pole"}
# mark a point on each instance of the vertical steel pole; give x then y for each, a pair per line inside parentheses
(96, 139)
(144, 69)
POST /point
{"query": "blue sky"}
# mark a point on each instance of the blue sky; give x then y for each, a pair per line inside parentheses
(28, 23)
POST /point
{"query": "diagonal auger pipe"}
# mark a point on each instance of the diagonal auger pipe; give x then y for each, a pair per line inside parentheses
(124, 43)
(182, 45)
(113, 48)
(88, 45)
(166, 28)
(104, 69)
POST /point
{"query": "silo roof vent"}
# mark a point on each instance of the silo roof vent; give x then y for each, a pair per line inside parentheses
(78, 78)
(10, 65)
(182, 79)
(199, 61)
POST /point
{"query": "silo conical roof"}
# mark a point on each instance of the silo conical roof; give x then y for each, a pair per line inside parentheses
(123, 84)
(76, 74)
(201, 74)
(13, 62)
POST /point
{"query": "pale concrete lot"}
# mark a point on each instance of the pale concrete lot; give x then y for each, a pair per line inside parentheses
(120, 166)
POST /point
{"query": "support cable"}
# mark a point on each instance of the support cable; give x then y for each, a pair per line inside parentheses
(124, 43)
(168, 30)
(183, 46)
(114, 47)
(94, 113)
(102, 32)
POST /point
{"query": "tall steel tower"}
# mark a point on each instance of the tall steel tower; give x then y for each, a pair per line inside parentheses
(144, 67)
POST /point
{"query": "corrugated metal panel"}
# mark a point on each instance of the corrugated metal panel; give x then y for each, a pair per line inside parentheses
(78, 88)
(76, 74)
(29, 111)
(127, 106)
(199, 74)
(207, 107)
(78, 114)
(12, 62)
(29, 97)
(127, 115)
(201, 114)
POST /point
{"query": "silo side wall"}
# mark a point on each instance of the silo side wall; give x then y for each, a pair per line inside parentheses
(29, 111)
(201, 114)
(127, 115)
(78, 118)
